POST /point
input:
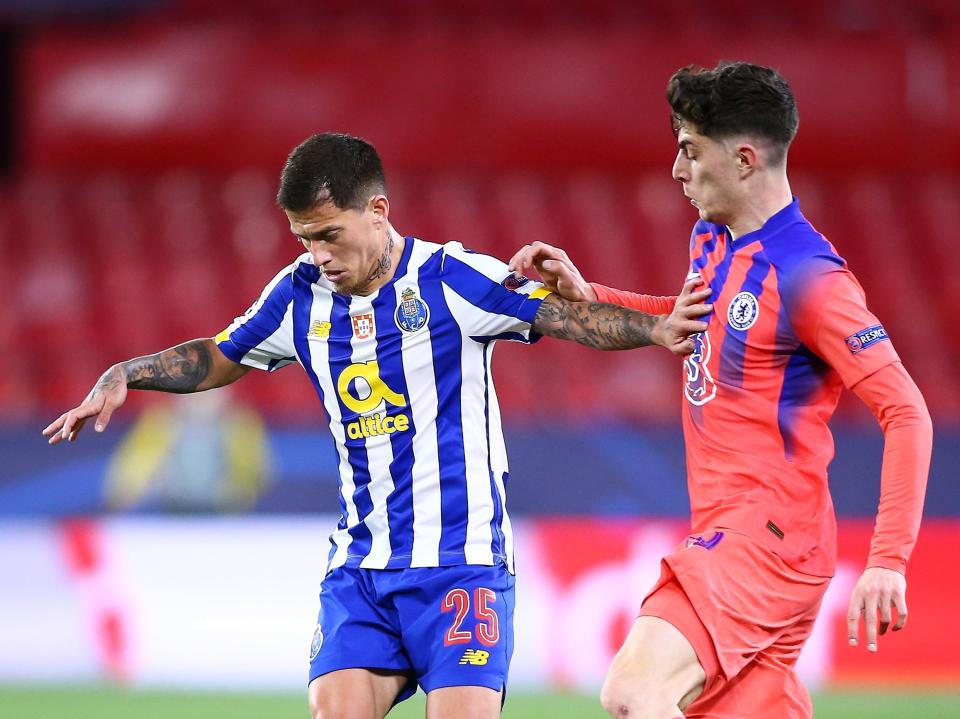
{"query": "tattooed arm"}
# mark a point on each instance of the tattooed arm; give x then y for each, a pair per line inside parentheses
(193, 366)
(610, 327)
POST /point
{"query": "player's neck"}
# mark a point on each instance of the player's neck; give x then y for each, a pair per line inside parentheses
(759, 206)
(389, 261)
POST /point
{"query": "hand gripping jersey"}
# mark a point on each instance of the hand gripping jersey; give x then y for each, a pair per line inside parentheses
(404, 375)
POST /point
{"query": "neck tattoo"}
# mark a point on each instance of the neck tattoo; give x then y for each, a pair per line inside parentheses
(385, 261)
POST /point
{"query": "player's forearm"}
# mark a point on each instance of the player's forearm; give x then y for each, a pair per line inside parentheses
(193, 366)
(908, 440)
(652, 304)
(596, 324)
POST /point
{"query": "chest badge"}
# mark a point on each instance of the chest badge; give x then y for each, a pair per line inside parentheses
(413, 313)
(363, 326)
(743, 311)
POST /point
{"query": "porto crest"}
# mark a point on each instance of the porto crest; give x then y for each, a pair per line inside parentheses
(413, 313)
(316, 643)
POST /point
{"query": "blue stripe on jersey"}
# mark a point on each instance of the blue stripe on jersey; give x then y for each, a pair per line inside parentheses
(512, 336)
(797, 256)
(302, 282)
(795, 271)
(261, 325)
(446, 342)
(277, 360)
(341, 357)
(802, 377)
(719, 278)
(735, 341)
(485, 294)
(700, 262)
(390, 361)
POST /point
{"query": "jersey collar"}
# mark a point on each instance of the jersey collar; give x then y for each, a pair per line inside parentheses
(774, 224)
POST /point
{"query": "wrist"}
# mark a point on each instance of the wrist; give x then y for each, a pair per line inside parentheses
(657, 332)
(121, 371)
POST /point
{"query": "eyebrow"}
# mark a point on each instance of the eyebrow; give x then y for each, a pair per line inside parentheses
(684, 144)
(319, 234)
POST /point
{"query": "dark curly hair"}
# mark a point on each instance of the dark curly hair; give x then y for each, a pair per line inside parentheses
(331, 167)
(735, 98)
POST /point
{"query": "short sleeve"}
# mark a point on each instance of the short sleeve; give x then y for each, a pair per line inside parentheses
(487, 299)
(828, 311)
(262, 337)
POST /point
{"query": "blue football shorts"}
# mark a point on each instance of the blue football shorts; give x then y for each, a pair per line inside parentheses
(441, 626)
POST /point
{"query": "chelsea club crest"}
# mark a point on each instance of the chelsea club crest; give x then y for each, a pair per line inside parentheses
(413, 313)
(743, 311)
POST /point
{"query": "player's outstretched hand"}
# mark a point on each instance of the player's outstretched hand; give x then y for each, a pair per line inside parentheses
(677, 329)
(555, 268)
(107, 395)
(878, 591)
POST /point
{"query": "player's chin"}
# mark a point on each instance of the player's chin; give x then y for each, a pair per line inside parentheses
(345, 287)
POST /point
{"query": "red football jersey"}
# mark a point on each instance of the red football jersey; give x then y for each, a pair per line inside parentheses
(789, 329)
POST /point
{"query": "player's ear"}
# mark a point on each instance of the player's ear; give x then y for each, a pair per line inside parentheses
(380, 206)
(747, 159)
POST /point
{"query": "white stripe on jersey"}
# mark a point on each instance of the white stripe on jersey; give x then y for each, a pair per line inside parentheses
(473, 408)
(498, 458)
(320, 363)
(379, 456)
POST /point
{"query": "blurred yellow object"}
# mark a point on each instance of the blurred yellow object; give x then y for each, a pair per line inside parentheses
(195, 454)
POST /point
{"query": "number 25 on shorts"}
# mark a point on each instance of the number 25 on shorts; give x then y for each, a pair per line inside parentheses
(488, 624)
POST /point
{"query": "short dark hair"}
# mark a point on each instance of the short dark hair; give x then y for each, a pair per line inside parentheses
(735, 98)
(333, 167)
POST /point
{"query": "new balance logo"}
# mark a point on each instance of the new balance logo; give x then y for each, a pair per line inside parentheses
(476, 657)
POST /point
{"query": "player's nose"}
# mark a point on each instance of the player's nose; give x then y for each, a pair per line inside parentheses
(321, 257)
(679, 171)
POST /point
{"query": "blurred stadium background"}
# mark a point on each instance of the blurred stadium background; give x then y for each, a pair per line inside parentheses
(140, 142)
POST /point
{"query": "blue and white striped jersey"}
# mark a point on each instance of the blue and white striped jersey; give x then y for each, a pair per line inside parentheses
(405, 377)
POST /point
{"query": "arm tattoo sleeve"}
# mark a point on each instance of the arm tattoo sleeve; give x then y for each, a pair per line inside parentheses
(180, 369)
(594, 324)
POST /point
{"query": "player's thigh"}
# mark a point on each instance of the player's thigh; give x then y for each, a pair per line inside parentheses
(765, 689)
(655, 660)
(354, 694)
(464, 703)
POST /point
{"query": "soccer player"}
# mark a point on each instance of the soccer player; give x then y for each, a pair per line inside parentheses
(396, 335)
(720, 632)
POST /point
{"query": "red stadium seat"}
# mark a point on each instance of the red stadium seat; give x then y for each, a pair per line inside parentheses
(137, 266)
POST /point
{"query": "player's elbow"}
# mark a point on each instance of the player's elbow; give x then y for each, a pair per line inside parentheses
(912, 416)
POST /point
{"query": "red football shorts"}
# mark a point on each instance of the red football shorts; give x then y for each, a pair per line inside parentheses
(747, 615)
